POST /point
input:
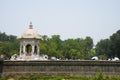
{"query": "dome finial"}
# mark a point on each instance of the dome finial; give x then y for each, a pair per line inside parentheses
(30, 26)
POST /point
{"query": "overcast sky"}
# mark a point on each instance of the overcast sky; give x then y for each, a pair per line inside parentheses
(98, 19)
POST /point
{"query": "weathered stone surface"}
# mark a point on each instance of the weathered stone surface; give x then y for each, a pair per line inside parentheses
(86, 68)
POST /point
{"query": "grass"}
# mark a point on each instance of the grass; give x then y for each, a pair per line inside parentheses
(99, 76)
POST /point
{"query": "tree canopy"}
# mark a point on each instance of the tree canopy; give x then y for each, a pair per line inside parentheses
(78, 48)
(70, 48)
(110, 47)
(9, 45)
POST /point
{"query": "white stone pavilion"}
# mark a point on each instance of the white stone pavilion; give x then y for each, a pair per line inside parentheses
(29, 46)
(29, 42)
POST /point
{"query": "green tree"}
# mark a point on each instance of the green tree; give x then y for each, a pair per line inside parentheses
(109, 47)
(9, 45)
(52, 46)
(44, 44)
(115, 44)
(69, 46)
(77, 48)
(103, 48)
(88, 46)
(4, 37)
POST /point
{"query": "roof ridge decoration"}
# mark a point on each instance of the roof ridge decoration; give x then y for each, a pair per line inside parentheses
(30, 26)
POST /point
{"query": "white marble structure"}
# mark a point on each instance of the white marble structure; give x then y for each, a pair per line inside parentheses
(29, 46)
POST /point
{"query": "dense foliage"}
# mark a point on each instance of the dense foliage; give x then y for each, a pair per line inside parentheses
(9, 45)
(109, 48)
(78, 48)
(71, 48)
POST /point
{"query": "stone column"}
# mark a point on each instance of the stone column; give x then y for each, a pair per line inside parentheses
(38, 50)
(33, 49)
(20, 50)
(24, 46)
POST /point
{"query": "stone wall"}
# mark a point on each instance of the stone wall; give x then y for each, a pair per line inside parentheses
(75, 68)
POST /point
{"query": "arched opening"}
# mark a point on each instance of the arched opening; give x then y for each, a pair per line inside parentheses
(22, 49)
(35, 51)
(29, 49)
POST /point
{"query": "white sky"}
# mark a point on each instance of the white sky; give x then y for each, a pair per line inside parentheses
(98, 19)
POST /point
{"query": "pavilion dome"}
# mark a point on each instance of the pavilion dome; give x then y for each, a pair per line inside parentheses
(30, 33)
